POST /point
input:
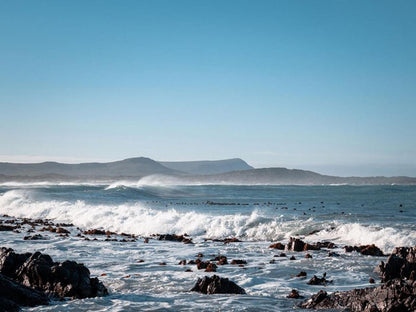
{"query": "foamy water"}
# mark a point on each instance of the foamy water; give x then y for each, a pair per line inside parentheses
(257, 215)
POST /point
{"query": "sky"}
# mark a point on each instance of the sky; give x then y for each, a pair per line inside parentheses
(328, 86)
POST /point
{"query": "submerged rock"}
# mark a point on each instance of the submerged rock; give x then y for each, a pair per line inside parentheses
(217, 285)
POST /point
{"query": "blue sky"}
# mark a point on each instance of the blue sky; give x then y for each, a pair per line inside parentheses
(322, 85)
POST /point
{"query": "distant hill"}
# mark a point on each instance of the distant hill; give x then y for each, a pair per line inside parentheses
(207, 166)
(283, 176)
(128, 168)
(187, 172)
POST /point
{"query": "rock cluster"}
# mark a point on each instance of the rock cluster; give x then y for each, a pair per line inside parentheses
(398, 293)
(368, 250)
(296, 244)
(45, 278)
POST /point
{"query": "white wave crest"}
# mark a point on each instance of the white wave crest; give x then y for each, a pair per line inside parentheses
(139, 219)
(385, 238)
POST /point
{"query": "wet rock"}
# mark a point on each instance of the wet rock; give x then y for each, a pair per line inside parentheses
(328, 245)
(292, 258)
(308, 256)
(231, 240)
(294, 294)
(400, 264)
(333, 254)
(57, 279)
(175, 238)
(7, 227)
(370, 250)
(319, 280)
(371, 280)
(394, 295)
(211, 267)
(221, 260)
(217, 285)
(301, 274)
(295, 244)
(14, 295)
(279, 246)
(238, 261)
(34, 237)
(96, 232)
(182, 262)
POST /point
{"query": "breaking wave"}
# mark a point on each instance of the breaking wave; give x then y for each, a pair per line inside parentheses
(140, 219)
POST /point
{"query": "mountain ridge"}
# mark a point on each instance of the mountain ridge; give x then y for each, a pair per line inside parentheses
(193, 172)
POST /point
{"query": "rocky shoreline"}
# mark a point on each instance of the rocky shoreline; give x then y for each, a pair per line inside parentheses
(31, 279)
(398, 293)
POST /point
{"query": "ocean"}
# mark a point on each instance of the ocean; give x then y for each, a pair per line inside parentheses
(257, 215)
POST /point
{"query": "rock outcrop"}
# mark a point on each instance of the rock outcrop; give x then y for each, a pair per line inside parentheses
(57, 279)
(395, 295)
(400, 264)
(398, 293)
(217, 285)
(14, 295)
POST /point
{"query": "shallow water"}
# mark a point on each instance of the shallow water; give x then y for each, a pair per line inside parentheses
(257, 215)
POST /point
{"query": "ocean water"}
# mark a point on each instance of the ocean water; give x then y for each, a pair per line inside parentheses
(257, 215)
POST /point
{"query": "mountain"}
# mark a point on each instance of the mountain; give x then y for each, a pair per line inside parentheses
(187, 172)
(128, 168)
(283, 176)
(207, 166)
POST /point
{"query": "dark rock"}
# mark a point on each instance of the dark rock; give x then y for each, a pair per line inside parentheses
(371, 280)
(175, 238)
(333, 254)
(222, 260)
(308, 256)
(292, 258)
(295, 244)
(95, 232)
(279, 246)
(395, 295)
(206, 265)
(369, 250)
(238, 261)
(7, 227)
(231, 240)
(58, 279)
(14, 295)
(211, 267)
(400, 264)
(318, 281)
(301, 274)
(294, 294)
(217, 285)
(34, 237)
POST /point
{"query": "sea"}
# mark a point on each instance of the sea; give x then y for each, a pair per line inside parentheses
(148, 277)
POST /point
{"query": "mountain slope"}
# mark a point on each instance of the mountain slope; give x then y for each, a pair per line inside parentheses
(207, 166)
(283, 176)
(132, 167)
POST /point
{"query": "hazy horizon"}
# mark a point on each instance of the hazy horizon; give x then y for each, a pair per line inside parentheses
(326, 86)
